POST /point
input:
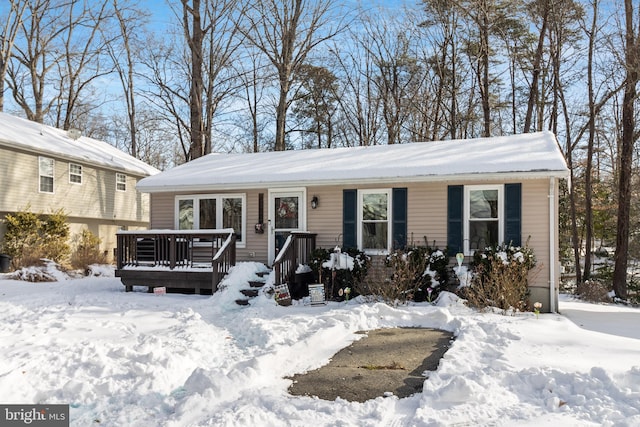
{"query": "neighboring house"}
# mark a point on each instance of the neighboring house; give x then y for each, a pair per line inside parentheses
(461, 194)
(44, 169)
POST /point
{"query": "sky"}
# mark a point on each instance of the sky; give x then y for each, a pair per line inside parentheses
(131, 359)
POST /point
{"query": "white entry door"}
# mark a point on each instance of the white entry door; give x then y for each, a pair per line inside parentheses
(287, 212)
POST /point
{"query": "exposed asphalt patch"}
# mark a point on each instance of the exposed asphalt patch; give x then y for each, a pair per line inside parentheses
(387, 361)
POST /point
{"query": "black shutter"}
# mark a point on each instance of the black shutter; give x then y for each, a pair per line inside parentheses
(399, 218)
(455, 206)
(513, 214)
(349, 218)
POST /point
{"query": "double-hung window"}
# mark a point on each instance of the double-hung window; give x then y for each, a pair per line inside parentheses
(374, 215)
(75, 173)
(212, 211)
(121, 182)
(46, 167)
(484, 222)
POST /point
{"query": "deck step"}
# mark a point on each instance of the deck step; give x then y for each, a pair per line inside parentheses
(252, 288)
(249, 292)
(256, 283)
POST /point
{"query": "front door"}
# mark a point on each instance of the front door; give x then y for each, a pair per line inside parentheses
(286, 214)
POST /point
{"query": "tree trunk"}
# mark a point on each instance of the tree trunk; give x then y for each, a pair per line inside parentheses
(533, 90)
(281, 117)
(195, 42)
(588, 213)
(484, 58)
(626, 155)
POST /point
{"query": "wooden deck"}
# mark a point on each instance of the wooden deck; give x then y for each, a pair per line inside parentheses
(180, 260)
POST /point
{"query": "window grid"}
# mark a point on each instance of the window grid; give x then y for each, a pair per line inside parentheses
(121, 182)
(75, 173)
(374, 214)
(484, 219)
(212, 211)
(46, 167)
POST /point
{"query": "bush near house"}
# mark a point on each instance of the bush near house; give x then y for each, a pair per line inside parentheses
(30, 237)
(500, 278)
(415, 274)
(339, 277)
(87, 251)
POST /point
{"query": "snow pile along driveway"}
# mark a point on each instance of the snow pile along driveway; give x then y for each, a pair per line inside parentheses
(131, 359)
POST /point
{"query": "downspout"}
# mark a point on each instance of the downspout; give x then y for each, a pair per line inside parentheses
(552, 246)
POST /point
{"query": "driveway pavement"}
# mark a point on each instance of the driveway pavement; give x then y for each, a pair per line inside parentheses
(387, 361)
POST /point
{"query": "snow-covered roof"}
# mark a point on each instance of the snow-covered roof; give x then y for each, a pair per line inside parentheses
(522, 156)
(18, 132)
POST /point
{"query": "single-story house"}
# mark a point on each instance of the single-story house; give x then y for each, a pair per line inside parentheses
(44, 169)
(460, 194)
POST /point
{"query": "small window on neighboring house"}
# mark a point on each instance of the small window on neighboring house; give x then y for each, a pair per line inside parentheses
(46, 169)
(121, 182)
(75, 173)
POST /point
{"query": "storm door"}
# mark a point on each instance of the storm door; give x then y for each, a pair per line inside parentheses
(286, 214)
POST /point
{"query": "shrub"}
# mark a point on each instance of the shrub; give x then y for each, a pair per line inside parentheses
(594, 290)
(500, 278)
(30, 237)
(416, 274)
(87, 251)
(345, 276)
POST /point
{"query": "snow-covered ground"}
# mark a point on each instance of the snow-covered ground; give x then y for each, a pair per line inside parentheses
(139, 359)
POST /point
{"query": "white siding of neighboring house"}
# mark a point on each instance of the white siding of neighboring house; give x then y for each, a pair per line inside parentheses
(95, 204)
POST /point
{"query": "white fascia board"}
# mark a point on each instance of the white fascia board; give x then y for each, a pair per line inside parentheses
(472, 177)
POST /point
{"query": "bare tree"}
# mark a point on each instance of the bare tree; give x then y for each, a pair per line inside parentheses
(8, 32)
(124, 51)
(398, 73)
(358, 100)
(80, 64)
(209, 31)
(194, 36)
(56, 57)
(35, 56)
(253, 77)
(544, 7)
(631, 61)
(287, 31)
(443, 26)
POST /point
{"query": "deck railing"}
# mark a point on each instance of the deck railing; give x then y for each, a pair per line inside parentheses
(177, 248)
(296, 250)
(224, 259)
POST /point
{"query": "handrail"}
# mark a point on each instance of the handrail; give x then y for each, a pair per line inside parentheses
(296, 250)
(223, 260)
